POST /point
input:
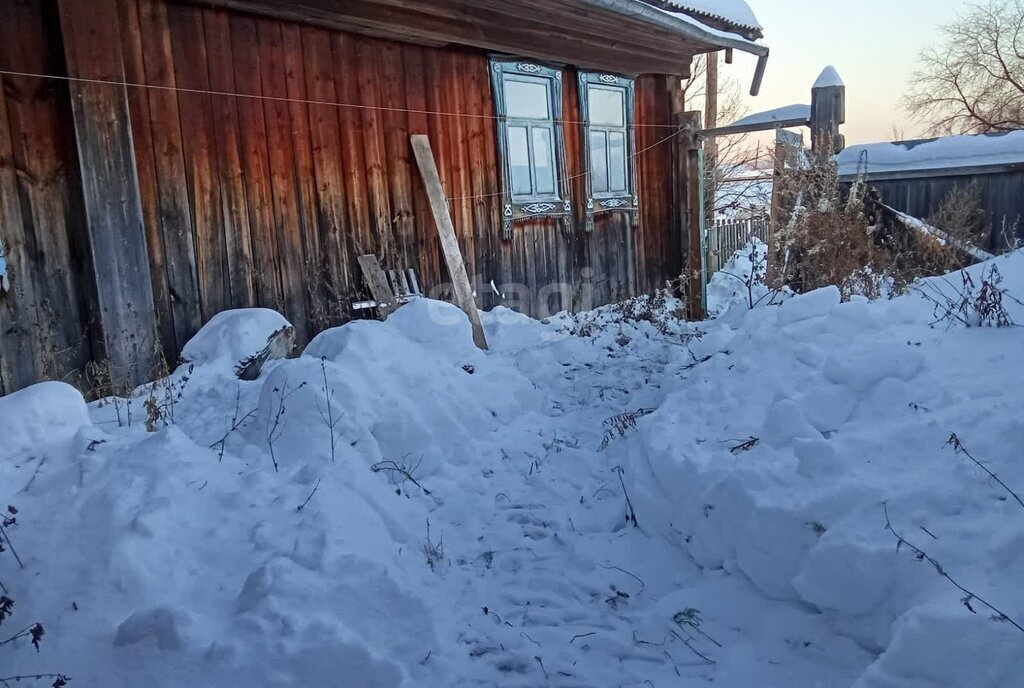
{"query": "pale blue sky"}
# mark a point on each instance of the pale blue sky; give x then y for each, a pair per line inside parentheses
(873, 43)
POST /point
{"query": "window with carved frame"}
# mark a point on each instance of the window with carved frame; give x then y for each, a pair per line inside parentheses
(609, 148)
(528, 99)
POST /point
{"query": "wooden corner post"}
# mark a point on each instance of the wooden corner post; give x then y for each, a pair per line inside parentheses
(110, 187)
(446, 230)
(691, 195)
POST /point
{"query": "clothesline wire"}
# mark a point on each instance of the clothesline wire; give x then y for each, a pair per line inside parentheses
(359, 106)
(284, 99)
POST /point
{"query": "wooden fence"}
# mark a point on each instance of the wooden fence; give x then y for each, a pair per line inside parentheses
(725, 237)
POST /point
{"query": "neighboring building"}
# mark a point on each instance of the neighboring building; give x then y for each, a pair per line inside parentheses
(176, 159)
(914, 177)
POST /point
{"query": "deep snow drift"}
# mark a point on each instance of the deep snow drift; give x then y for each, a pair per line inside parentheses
(757, 458)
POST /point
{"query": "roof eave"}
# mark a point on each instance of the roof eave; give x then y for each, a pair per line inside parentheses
(715, 39)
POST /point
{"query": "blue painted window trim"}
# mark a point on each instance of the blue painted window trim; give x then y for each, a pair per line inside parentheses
(517, 207)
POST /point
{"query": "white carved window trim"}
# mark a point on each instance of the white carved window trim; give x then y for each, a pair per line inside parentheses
(620, 200)
(522, 206)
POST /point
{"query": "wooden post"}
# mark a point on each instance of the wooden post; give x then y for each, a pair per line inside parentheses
(688, 195)
(711, 143)
(828, 111)
(446, 230)
(110, 188)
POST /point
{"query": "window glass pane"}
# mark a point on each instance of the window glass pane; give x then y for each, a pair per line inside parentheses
(519, 160)
(607, 106)
(544, 160)
(616, 161)
(599, 161)
(527, 99)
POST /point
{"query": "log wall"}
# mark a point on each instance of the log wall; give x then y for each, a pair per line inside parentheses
(258, 190)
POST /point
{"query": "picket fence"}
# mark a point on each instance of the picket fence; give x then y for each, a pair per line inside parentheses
(725, 237)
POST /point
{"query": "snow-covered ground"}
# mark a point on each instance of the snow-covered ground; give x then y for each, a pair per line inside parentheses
(757, 458)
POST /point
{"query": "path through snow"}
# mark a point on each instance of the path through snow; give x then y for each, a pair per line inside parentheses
(152, 560)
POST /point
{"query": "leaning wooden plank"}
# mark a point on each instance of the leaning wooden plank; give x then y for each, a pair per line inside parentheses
(449, 243)
(378, 283)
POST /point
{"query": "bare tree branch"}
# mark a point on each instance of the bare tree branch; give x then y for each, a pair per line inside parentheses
(973, 83)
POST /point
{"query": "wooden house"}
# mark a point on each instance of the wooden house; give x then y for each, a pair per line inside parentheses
(164, 160)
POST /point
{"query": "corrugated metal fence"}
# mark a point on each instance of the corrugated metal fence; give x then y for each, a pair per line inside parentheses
(725, 237)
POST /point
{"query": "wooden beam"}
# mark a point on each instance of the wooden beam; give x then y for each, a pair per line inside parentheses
(446, 231)
(110, 188)
(750, 128)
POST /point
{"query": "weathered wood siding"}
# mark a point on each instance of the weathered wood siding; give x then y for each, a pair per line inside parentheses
(280, 197)
(258, 190)
(44, 320)
(1002, 198)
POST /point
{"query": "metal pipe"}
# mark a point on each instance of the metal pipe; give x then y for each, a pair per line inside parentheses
(762, 65)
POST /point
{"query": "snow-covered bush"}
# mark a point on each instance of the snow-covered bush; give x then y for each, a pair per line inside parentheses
(853, 240)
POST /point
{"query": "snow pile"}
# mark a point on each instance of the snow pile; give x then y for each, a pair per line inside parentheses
(442, 516)
(829, 78)
(241, 340)
(852, 406)
(740, 282)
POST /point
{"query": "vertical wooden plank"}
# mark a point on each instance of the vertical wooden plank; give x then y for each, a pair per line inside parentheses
(328, 168)
(227, 139)
(43, 160)
(188, 44)
(256, 162)
(491, 185)
(413, 59)
(18, 350)
(440, 135)
(280, 143)
(351, 125)
(145, 157)
(110, 187)
(459, 190)
(475, 81)
(369, 74)
(304, 177)
(398, 153)
(173, 207)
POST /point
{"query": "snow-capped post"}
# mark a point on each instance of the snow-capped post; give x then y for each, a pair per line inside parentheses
(828, 111)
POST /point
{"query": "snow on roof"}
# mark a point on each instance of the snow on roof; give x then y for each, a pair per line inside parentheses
(829, 77)
(934, 154)
(735, 12)
(782, 114)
